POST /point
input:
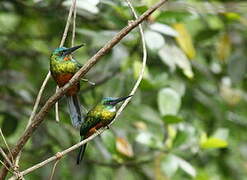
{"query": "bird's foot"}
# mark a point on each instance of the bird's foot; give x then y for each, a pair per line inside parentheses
(93, 131)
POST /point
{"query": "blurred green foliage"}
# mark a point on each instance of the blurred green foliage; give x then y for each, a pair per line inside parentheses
(187, 119)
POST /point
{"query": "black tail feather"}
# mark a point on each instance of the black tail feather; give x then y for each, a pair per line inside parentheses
(81, 153)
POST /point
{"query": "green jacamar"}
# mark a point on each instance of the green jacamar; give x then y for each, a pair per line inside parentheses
(63, 67)
(99, 116)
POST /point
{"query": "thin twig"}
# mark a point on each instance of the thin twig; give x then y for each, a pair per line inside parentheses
(5, 157)
(53, 169)
(118, 113)
(74, 25)
(6, 167)
(6, 144)
(56, 109)
(144, 60)
(72, 8)
(17, 160)
(39, 117)
(11, 164)
(36, 104)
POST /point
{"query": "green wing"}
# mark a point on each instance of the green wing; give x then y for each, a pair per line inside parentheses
(89, 123)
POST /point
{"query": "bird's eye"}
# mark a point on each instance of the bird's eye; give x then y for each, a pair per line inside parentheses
(62, 53)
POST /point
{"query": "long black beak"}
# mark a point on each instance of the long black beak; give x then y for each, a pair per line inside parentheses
(114, 102)
(70, 50)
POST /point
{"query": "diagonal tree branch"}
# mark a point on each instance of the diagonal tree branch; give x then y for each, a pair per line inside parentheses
(39, 117)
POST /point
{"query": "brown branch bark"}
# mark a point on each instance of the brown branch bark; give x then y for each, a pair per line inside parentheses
(90, 63)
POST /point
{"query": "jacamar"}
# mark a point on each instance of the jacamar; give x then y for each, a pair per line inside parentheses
(63, 67)
(99, 116)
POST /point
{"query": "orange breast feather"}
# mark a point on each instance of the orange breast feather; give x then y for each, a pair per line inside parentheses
(62, 79)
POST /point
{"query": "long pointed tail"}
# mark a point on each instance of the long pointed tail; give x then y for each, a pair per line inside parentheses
(81, 153)
(75, 110)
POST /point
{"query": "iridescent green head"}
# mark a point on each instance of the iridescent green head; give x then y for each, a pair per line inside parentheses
(110, 101)
(63, 51)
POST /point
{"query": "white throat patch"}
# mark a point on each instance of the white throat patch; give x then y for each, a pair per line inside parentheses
(113, 109)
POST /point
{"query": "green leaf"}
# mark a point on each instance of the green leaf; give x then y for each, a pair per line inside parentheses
(154, 40)
(172, 56)
(215, 22)
(149, 140)
(169, 165)
(186, 166)
(182, 137)
(164, 29)
(170, 119)
(170, 17)
(232, 16)
(169, 101)
(212, 142)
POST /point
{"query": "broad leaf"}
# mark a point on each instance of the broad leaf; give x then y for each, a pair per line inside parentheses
(169, 101)
(149, 140)
(173, 56)
(154, 40)
(184, 40)
(186, 166)
(164, 29)
(170, 119)
(124, 147)
(212, 142)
